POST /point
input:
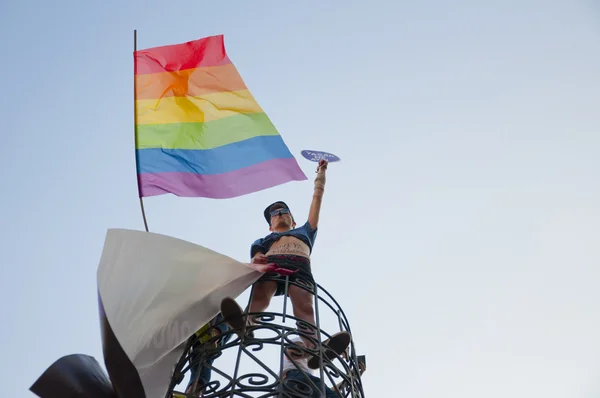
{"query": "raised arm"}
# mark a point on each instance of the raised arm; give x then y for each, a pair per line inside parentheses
(315, 206)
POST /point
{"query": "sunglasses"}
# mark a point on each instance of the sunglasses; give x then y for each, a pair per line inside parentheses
(279, 211)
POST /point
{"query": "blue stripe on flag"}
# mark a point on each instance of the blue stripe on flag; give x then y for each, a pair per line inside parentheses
(223, 159)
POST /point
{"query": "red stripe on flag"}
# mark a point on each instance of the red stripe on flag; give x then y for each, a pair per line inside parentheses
(209, 51)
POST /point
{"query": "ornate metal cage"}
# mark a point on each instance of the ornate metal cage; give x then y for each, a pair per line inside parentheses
(253, 366)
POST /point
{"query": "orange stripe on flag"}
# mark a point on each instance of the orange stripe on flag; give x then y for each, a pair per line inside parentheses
(189, 82)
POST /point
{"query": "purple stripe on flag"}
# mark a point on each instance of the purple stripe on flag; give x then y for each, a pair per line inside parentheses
(225, 185)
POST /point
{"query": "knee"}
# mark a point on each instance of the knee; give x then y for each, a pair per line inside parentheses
(260, 296)
(307, 307)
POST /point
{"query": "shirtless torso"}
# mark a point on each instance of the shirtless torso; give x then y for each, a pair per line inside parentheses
(289, 245)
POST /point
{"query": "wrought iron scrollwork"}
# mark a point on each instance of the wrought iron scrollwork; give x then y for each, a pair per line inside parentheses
(252, 366)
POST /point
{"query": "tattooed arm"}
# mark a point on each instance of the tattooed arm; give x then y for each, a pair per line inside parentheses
(315, 206)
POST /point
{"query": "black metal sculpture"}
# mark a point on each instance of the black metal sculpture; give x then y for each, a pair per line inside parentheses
(255, 365)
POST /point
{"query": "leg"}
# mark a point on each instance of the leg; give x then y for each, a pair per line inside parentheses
(302, 304)
(261, 296)
(200, 374)
(302, 301)
(202, 380)
(195, 368)
(222, 328)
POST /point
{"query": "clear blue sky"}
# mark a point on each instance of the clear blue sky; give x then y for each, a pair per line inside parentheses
(459, 232)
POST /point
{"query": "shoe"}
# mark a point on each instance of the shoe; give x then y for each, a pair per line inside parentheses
(331, 347)
(234, 316)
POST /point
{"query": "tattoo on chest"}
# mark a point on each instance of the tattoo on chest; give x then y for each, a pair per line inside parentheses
(288, 248)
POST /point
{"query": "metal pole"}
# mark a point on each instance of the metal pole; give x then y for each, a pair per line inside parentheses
(135, 129)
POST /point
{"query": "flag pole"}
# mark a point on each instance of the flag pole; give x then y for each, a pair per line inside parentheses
(135, 133)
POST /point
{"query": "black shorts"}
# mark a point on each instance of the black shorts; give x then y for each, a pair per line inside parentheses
(302, 277)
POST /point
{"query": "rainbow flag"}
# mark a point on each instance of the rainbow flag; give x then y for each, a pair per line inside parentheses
(199, 131)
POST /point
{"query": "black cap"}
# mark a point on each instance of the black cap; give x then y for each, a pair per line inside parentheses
(268, 210)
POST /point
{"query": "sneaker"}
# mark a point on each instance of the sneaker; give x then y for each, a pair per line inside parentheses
(331, 347)
(234, 316)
